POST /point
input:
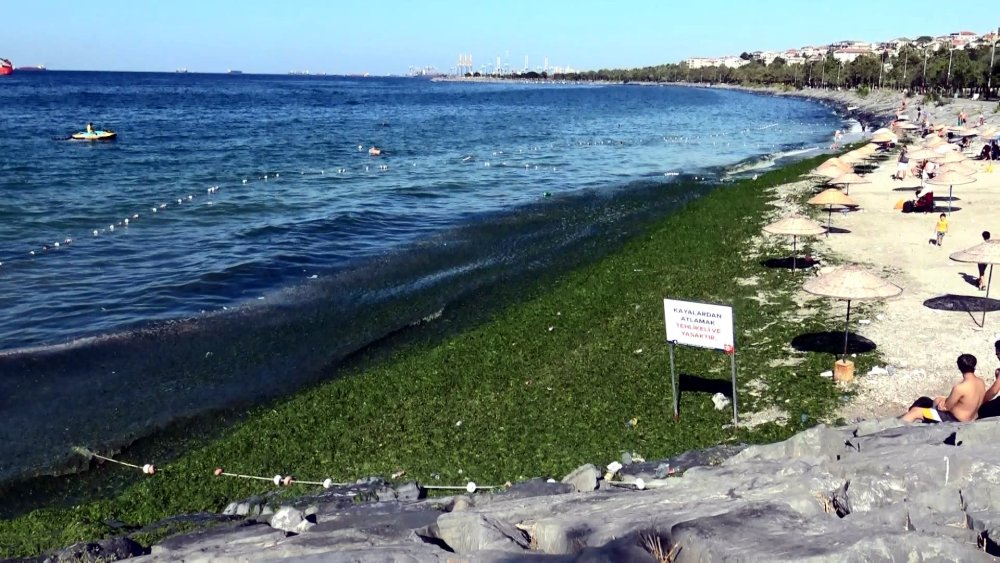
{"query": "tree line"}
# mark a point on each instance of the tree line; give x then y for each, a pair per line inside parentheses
(915, 68)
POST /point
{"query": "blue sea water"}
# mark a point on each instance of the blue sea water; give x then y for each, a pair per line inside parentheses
(264, 243)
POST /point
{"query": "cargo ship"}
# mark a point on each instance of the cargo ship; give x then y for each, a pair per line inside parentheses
(6, 67)
(231, 71)
(35, 68)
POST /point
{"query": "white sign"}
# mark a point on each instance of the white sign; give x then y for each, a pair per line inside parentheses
(699, 324)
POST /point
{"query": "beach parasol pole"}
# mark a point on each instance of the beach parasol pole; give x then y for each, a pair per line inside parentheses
(847, 328)
(794, 252)
(989, 280)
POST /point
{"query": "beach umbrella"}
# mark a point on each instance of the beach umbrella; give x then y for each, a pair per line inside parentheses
(829, 199)
(958, 167)
(832, 168)
(987, 252)
(796, 226)
(933, 141)
(949, 157)
(838, 162)
(908, 126)
(922, 154)
(946, 148)
(855, 156)
(847, 179)
(882, 130)
(851, 283)
(884, 138)
(950, 179)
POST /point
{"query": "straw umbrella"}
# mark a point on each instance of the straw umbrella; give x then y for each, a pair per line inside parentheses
(950, 179)
(848, 179)
(958, 167)
(923, 154)
(987, 252)
(885, 137)
(851, 283)
(796, 226)
(829, 198)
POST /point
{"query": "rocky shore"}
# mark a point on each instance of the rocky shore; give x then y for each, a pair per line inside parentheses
(875, 491)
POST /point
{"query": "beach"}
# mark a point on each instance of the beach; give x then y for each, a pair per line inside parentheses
(918, 343)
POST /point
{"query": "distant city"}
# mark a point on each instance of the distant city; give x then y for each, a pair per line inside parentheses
(846, 51)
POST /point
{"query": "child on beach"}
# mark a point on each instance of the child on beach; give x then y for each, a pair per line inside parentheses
(941, 228)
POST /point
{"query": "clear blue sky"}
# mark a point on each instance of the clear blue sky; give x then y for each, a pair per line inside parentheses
(388, 36)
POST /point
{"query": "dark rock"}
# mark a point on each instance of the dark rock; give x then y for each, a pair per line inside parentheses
(114, 549)
(385, 494)
(409, 492)
(535, 488)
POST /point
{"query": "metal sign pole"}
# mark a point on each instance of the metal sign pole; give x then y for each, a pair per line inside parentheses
(732, 363)
(673, 382)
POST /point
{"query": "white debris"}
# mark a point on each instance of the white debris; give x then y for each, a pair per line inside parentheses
(826, 374)
(720, 400)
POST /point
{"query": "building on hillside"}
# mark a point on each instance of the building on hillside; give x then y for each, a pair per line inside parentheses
(695, 63)
(811, 52)
(732, 62)
(848, 54)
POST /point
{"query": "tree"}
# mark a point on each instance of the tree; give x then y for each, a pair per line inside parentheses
(746, 56)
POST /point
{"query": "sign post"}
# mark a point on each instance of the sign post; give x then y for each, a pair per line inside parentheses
(701, 325)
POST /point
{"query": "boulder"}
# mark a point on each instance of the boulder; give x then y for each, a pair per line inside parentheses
(583, 478)
(288, 519)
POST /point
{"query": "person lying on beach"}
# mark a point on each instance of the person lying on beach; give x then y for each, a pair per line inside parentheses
(991, 407)
(961, 405)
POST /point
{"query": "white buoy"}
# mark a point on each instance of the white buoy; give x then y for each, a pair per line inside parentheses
(327, 483)
(470, 487)
(95, 232)
(277, 479)
(111, 227)
(55, 244)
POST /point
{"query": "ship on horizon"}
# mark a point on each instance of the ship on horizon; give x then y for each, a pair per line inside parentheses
(6, 67)
(231, 71)
(181, 71)
(34, 68)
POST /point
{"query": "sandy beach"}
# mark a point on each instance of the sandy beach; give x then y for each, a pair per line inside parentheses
(919, 344)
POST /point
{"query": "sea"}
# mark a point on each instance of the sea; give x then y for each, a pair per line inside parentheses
(237, 240)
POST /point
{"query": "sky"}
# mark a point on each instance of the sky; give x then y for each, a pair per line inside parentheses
(391, 36)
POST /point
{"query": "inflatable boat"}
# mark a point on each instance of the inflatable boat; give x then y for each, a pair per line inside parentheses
(95, 135)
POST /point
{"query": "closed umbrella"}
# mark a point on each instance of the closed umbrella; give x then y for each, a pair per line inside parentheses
(830, 198)
(796, 226)
(950, 179)
(851, 283)
(987, 252)
(848, 179)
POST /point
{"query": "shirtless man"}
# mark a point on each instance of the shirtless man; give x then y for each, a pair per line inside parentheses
(961, 405)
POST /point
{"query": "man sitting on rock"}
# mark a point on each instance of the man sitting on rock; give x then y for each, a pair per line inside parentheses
(961, 405)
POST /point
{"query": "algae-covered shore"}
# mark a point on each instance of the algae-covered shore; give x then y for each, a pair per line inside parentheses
(575, 370)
